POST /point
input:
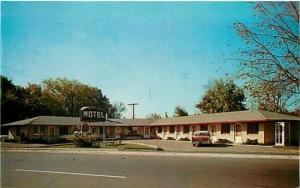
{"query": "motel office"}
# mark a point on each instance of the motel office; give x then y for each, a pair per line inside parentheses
(238, 127)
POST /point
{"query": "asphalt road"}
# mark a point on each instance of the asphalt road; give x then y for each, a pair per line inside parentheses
(104, 170)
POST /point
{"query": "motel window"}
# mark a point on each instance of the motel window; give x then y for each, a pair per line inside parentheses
(94, 130)
(63, 130)
(186, 129)
(238, 129)
(225, 128)
(101, 130)
(252, 128)
(42, 129)
(35, 129)
(51, 131)
(159, 130)
(171, 129)
(203, 128)
(213, 130)
(18, 131)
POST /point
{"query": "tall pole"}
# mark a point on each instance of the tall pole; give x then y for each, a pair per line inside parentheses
(133, 104)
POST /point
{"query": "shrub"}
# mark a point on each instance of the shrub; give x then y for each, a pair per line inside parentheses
(223, 141)
(184, 139)
(82, 141)
(159, 149)
(96, 145)
(170, 138)
(252, 142)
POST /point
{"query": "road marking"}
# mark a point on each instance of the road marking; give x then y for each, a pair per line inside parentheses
(70, 173)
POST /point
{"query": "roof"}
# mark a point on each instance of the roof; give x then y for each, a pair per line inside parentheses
(61, 120)
(224, 117)
(227, 117)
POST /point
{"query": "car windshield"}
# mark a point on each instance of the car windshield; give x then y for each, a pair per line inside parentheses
(202, 134)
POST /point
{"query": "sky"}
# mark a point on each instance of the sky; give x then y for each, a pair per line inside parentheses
(156, 54)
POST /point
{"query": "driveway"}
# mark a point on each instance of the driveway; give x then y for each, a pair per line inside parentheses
(186, 146)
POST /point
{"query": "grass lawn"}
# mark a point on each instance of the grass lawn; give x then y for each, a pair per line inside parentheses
(121, 147)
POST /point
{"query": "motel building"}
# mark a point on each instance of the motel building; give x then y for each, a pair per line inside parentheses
(266, 127)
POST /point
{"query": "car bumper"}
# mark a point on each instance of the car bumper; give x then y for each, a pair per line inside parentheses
(201, 142)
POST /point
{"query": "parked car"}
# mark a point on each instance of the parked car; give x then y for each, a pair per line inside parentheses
(201, 137)
(3, 137)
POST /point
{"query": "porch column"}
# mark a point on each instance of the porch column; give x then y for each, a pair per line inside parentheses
(283, 134)
(144, 132)
(175, 127)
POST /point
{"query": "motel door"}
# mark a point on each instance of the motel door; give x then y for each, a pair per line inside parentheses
(282, 133)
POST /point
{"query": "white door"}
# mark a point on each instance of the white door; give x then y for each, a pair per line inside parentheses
(279, 133)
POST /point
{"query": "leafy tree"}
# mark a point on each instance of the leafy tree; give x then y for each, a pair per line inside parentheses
(12, 106)
(66, 97)
(154, 116)
(222, 96)
(118, 110)
(270, 61)
(32, 101)
(180, 111)
(272, 97)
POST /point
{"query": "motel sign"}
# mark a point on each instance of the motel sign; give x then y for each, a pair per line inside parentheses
(92, 114)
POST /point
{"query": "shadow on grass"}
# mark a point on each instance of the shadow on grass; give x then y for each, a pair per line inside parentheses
(215, 145)
(132, 148)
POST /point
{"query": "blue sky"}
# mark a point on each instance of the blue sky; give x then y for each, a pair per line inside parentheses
(125, 49)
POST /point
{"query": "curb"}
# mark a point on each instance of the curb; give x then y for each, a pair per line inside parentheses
(166, 154)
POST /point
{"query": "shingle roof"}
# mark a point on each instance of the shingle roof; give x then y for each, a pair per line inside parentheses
(238, 116)
(60, 120)
(226, 117)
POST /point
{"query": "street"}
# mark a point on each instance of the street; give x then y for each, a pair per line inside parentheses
(104, 170)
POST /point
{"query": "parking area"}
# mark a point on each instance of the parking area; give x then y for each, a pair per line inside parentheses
(186, 146)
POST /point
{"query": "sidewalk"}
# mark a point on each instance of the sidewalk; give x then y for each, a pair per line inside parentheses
(149, 153)
(166, 146)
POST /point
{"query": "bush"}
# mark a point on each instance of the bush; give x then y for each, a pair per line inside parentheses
(96, 145)
(252, 142)
(170, 138)
(223, 141)
(83, 141)
(159, 149)
(184, 139)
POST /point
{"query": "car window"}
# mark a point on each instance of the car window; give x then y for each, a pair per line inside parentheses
(202, 134)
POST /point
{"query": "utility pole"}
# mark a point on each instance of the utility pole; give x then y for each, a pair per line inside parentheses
(133, 104)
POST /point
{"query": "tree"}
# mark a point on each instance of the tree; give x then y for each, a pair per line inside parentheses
(270, 61)
(118, 110)
(66, 97)
(180, 111)
(12, 105)
(222, 96)
(154, 116)
(33, 103)
(271, 97)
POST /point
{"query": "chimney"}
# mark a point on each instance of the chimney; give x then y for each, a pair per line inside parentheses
(166, 115)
